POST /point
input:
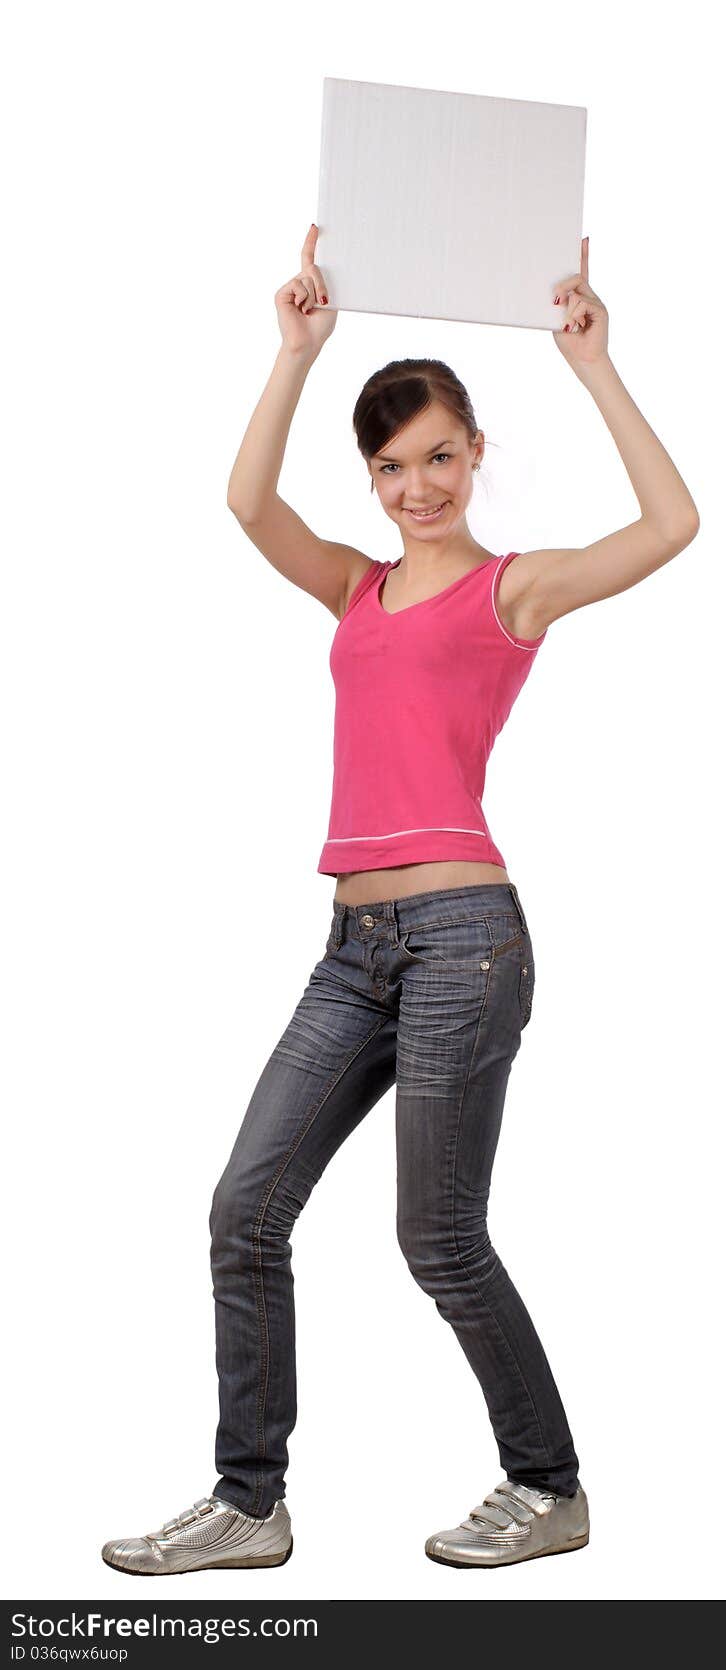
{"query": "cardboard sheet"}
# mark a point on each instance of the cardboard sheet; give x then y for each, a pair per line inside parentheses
(448, 205)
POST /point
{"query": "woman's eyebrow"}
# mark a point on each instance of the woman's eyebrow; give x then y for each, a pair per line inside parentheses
(387, 459)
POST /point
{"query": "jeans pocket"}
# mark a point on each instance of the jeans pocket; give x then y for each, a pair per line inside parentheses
(461, 943)
(526, 979)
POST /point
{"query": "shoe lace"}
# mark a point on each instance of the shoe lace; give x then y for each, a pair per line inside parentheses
(204, 1506)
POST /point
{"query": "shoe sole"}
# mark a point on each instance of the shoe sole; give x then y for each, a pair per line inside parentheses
(253, 1563)
(492, 1565)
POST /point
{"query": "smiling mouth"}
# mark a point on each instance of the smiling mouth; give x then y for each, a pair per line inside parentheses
(428, 514)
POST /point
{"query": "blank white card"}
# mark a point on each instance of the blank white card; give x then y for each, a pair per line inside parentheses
(448, 205)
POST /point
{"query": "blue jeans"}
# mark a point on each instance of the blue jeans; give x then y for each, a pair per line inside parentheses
(430, 993)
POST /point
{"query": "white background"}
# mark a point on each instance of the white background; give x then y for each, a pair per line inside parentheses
(166, 768)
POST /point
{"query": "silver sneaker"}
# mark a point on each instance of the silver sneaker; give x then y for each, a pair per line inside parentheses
(212, 1533)
(514, 1523)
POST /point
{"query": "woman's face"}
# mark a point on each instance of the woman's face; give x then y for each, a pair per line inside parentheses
(429, 463)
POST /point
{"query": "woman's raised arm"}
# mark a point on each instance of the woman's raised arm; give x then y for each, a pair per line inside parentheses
(324, 568)
(541, 586)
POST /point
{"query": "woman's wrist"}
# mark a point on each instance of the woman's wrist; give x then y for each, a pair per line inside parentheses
(598, 373)
(300, 358)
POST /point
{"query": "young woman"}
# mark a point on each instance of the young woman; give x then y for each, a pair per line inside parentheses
(427, 977)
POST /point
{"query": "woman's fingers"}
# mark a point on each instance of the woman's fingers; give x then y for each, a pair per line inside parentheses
(308, 266)
(315, 286)
(577, 317)
(576, 282)
(303, 293)
(308, 248)
(319, 281)
(308, 287)
(566, 284)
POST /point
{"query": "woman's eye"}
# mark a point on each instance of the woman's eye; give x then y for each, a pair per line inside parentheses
(387, 467)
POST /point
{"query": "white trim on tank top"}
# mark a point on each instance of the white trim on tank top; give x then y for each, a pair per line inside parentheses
(429, 829)
(525, 644)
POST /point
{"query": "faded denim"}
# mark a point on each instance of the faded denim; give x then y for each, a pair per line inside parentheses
(430, 993)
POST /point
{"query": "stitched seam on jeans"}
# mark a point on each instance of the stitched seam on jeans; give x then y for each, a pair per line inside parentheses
(525, 994)
(506, 944)
(469, 919)
(467, 1272)
(257, 1242)
(495, 949)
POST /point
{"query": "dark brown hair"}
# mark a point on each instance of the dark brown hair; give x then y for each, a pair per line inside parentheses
(398, 392)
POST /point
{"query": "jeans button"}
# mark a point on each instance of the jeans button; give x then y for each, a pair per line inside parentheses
(367, 921)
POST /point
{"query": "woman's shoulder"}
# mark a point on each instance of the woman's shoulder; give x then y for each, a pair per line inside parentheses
(359, 567)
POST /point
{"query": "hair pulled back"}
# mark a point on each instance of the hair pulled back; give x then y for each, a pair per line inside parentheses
(398, 392)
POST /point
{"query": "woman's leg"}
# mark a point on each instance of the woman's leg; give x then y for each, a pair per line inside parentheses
(334, 1061)
(466, 995)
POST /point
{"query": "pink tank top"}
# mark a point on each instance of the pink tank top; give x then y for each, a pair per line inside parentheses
(420, 696)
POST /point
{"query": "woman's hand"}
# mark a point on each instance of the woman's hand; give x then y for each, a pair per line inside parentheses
(584, 338)
(304, 326)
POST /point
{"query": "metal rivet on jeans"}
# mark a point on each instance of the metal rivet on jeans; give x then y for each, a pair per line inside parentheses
(483, 965)
(367, 921)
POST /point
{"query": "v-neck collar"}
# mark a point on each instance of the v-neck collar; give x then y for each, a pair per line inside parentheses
(392, 613)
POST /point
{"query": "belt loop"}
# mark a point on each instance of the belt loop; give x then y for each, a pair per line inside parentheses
(518, 904)
(396, 921)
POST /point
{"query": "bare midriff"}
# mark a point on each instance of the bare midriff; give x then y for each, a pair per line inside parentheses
(362, 887)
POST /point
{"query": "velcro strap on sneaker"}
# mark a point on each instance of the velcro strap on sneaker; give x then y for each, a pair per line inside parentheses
(493, 1513)
(538, 1500)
